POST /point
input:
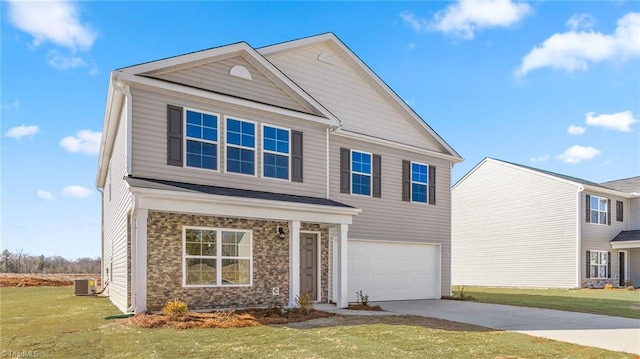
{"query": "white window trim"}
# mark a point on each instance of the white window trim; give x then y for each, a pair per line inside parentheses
(606, 266)
(263, 151)
(352, 172)
(412, 182)
(600, 213)
(217, 257)
(186, 138)
(254, 149)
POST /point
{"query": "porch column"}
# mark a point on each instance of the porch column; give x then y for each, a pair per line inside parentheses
(294, 262)
(343, 294)
(140, 300)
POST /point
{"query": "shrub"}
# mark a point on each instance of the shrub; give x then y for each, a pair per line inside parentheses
(362, 298)
(609, 286)
(174, 309)
(304, 302)
(630, 287)
(628, 283)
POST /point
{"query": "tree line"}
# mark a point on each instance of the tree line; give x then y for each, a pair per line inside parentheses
(19, 262)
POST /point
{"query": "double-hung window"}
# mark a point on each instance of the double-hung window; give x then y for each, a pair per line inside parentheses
(216, 257)
(598, 264)
(419, 182)
(241, 146)
(201, 140)
(598, 209)
(276, 152)
(360, 173)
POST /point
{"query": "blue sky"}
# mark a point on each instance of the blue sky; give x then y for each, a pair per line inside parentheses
(554, 85)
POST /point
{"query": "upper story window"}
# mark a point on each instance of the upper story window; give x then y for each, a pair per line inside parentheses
(201, 140)
(276, 152)
(360, 173)
(598, 209)
(419, 182)
(241, 146)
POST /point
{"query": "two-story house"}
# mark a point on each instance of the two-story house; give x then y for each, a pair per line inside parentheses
(237, 176)
(519, 226)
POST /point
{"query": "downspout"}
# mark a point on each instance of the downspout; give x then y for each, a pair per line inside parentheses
(134, 241)
(327, 161)
(579, 265)
(102, 280)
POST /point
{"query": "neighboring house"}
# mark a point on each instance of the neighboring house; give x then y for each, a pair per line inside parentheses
(237, 176)
(518, 226)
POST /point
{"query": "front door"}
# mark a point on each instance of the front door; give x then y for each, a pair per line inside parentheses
(622, 264)
(309, 264)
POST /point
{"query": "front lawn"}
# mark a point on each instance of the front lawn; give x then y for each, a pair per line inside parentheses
(616, 302)
(55, 324)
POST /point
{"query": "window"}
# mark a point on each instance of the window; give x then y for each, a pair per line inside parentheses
(361, 173)
(419, 182)
(598, 264)
(216, 257)
(619, 211)
(241, 144)
(598, 208)
(276, 152)
(201, 140)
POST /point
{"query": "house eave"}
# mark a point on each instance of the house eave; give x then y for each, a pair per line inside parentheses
(625, 244)
(109, 126)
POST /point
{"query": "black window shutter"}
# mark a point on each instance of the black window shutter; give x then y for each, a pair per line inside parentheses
(377, 176)
(432, 185)
(619, 211)
(588, 264)
(608, 264)
(609, 211)
(345, 170)
(406, 181)
(588, 206)
(296, 156)
(174, 135)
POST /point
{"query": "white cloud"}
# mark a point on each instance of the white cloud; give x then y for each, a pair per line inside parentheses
(85, 141)
(620, 121)
(411, 46)
(467, 16)
(577, 154)
(581, 22)
(418, 24)
(22, 131)
(44, 195)
(76, 191)
(56, 21)
(576, 130)
(11, 105)
(540, 158)
(575, 50)
(61, 62)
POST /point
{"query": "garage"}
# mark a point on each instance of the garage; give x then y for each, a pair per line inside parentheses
(393, 270)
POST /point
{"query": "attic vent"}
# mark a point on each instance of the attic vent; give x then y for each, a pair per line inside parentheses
(326, 58)
(241, 72)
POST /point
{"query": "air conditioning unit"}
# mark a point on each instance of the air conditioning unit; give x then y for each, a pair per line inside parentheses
(84, 287)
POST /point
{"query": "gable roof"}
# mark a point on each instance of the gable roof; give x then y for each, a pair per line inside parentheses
(562, 177)
(372, 76)
(627, 185)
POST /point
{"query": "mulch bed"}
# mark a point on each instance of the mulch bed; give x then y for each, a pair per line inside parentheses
(467, 298)
(227, 319)
(374, 308)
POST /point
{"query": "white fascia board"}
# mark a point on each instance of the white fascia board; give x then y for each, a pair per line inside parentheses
(171, 201)
(625, 245)
(145, 82)
(288, 45)
(380, 141)
(606, 191)
(109, 129)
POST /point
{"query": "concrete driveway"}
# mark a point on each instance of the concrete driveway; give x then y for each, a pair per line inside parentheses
(611, 333)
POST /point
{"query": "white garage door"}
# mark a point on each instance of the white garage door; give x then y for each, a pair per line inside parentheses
(393, 271)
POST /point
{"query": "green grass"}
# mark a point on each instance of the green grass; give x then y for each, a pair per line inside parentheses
(618, 302)
(55, 324)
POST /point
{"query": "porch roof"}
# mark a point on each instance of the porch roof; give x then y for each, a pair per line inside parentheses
(627, 236)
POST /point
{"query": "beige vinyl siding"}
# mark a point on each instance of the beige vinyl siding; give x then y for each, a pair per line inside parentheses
(343, 90)
(116, 209)
(149, 147)
(389, 218)
(513, 228)
(599, 236)
(215, 77)
(633, 211)
(634, 266)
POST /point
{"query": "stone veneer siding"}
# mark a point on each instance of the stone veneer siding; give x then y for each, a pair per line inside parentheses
(270, 263)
